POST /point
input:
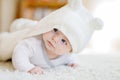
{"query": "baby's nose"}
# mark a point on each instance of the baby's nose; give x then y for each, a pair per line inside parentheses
(55, 38)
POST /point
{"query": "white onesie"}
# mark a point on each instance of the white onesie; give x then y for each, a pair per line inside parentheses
(31, 52)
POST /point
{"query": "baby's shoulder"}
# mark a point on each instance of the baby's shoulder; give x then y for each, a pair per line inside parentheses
(30, 41)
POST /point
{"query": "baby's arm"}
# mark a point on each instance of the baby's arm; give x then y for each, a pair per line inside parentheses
(21, 59)
(72, 61)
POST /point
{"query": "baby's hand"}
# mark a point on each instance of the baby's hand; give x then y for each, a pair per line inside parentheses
(36, 70)
(74, 65)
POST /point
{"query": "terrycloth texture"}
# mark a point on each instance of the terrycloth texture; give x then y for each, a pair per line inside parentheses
(92, 67)
(22, 23)
(72, 19)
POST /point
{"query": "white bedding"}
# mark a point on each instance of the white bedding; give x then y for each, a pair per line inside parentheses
(92, 67)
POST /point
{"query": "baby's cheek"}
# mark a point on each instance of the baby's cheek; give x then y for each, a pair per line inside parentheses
(59, 50)
(64, 50)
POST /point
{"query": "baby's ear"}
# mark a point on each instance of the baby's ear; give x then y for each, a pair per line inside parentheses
(96, 23)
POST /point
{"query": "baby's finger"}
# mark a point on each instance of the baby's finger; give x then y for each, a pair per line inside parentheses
(39, 71)
(36, 72)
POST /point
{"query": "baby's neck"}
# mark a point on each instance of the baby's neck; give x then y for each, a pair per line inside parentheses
(51, 55)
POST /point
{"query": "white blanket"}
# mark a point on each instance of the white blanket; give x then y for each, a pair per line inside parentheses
(92, 67)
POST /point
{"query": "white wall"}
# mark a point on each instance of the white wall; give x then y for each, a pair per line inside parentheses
(107, 40)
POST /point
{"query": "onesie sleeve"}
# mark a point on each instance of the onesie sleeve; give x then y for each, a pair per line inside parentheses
(21, 57)
(71, 58)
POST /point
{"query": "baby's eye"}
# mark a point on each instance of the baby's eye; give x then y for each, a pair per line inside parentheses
(64, 41)
(55, 29)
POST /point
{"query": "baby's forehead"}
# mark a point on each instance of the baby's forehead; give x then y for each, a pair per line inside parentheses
(62, 34)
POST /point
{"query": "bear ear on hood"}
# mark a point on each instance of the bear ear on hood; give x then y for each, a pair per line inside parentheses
(96, 23)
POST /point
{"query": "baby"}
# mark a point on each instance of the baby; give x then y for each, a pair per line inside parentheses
(43, 51)
(36, 45)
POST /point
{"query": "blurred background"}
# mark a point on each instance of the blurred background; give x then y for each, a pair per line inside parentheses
(105, 41)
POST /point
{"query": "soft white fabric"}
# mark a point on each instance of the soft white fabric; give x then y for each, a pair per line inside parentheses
(9, 40)
(22, 23)
(29, 53)
(72, 19)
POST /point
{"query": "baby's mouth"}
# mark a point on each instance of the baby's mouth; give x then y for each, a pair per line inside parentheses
(50, 44)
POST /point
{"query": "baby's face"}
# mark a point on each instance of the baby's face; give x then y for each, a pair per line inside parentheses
(56, 42)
